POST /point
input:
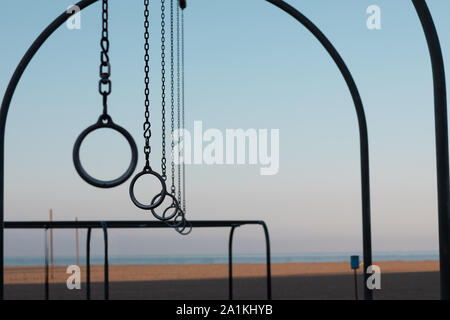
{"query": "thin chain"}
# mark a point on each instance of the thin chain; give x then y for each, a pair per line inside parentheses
(104, 85)
(178, 102)
(147, 125)
(183, 106)
(172, 98)
(163, 88)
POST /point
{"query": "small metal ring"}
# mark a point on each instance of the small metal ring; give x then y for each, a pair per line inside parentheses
(175, 223)
(174, 206)
(153, 205)
(181, 224)
(104, 121)
(186, 226)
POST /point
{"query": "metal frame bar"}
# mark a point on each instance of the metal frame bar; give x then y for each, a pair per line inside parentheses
(268, 262)
(106, 263)
(104, 225)
(47, 282)
(88, 264)
(230, 264)
(362, 124)
(441, 132)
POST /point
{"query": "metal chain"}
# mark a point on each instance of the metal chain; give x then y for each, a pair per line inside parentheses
(147, 125)
(172, 98)
(182, 107)
(163, 88)
(104, 85)
(178, 102)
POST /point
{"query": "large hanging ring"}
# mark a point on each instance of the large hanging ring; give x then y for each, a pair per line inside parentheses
(162, 194)
(168, 212)
(104, 121)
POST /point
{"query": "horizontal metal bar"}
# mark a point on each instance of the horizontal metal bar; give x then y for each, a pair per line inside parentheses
(123, 224)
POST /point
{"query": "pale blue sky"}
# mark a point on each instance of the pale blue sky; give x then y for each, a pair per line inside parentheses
(248, 65)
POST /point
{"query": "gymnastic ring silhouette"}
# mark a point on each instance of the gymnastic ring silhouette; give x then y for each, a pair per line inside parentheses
(182, 225)
(175, 222)
(185, 229)
(154, 204)
(167, 215)
(104, 121)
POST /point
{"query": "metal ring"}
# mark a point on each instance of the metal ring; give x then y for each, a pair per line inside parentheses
(174, 223)
(182, 225)
(105, 121)
(174, 206)
(186, 226)
(189, 230)
(153, 205)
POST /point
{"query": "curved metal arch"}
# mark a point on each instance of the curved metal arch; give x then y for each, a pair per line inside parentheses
(441, 133)
(364, 145)
(363, 136)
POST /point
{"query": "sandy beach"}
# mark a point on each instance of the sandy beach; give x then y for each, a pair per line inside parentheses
(400, 280)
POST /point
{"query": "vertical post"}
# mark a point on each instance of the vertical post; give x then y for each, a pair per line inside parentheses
(354, 264)
(106, 263)
(47, 289)
(77, 250)
(268, 261)
(230, 264)
(441, 132)
(51, 244)
(88, 264)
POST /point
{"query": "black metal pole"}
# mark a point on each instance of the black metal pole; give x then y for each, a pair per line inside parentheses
(230, 264)
(47, 286)
(364, 142)
(441, 132)
(356, 284)
(106, 264)
(88, 264)
(268, 262)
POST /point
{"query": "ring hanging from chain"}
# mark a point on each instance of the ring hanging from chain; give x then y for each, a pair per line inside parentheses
(159, 198)
(176, 222)
(148, 171)
(173, 209)
(184, 227)
(168, 212)
(104, 121)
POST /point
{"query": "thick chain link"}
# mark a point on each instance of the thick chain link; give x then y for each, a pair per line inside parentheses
(163, 88)
(147, 124)
(104, 85)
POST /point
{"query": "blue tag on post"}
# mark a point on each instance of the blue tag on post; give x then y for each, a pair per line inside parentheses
(354, 262)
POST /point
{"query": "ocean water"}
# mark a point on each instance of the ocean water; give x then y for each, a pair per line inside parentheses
(219, 259)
